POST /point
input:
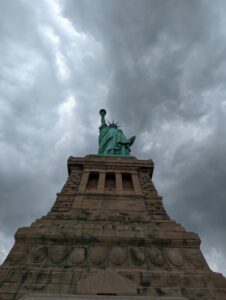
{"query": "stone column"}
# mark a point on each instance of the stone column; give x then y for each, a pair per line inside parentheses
(136, 184)
(119, 188)
(83, 182)
(101, 182)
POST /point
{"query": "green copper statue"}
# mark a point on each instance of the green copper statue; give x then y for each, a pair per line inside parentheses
(112, 141)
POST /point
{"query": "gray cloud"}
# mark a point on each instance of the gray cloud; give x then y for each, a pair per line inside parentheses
(158, 67)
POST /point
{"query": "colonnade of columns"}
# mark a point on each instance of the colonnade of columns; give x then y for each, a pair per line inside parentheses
(119, 184)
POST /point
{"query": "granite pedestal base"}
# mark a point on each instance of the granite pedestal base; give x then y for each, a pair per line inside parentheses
(97, 297)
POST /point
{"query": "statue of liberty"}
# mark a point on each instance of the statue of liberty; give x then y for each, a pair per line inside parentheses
(112, 140)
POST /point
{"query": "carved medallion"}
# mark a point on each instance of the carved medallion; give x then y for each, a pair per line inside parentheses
(137, 256)
(175, 256)
(78, 255)
(194, 256)
(58, 253)
(18, 253)
(156, 256)
(98, 255)
(38, 254)
(118, 255)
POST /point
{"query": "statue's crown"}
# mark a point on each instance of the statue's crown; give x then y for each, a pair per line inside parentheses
(113, 124)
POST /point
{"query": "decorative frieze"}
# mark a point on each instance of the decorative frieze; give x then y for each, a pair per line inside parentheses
(132, 256)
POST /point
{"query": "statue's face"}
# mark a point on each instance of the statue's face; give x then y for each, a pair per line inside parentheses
(113, 126)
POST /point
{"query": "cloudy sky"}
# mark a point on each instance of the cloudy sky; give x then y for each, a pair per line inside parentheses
(157, 66)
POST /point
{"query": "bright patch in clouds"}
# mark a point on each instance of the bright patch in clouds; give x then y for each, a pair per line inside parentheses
(63, 69)
(66, 108)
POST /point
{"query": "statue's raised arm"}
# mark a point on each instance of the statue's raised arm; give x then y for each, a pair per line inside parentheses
(112, 140)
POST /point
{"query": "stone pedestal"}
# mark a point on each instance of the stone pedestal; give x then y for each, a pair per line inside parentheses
(108, 236)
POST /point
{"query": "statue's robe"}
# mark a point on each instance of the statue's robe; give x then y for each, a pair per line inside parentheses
(112, 141)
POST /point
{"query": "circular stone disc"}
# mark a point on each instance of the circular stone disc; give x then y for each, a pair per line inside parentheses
(138, 256)
(98, 255)
(18, 253)
(57, 253)
(118, 256)
(38, 254)
(175, 256)
(195, 257)
(156, 256)
(78, 255)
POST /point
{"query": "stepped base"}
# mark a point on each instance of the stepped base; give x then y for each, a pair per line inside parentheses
(98, 297)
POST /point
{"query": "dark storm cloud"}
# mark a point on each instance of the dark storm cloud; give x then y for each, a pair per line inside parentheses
(159, 69)
(157, 50)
